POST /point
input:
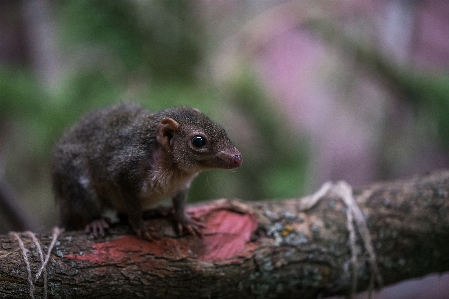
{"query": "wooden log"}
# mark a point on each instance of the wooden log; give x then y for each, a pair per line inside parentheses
(267, 249)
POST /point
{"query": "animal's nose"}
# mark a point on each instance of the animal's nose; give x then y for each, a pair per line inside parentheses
(236, 161)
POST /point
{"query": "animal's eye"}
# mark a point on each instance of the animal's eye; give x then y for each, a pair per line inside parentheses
(198, 141)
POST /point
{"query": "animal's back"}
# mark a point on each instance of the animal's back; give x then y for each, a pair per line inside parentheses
(103, 139)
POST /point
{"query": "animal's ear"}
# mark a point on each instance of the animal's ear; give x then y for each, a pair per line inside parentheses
(166, 130)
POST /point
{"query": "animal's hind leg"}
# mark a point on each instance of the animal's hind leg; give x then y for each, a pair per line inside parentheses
(79, 205)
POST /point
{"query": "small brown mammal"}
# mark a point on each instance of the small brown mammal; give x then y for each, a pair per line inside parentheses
(125, 158)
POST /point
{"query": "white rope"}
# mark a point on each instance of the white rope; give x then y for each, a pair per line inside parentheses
(43, 269)
(25, 257)
(41, 255)
(354, 216)
(56, 232)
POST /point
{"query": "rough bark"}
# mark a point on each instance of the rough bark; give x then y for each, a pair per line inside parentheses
(268, 249)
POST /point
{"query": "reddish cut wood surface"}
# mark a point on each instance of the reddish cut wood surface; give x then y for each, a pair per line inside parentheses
(226, 236)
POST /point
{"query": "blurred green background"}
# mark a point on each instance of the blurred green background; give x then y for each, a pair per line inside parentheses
(74, 56)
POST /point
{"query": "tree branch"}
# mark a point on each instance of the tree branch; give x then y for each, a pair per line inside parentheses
(256, 249)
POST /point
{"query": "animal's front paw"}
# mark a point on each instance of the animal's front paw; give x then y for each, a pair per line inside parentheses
(97, 227)
(190, 225)
(146, 234)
